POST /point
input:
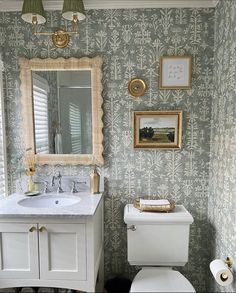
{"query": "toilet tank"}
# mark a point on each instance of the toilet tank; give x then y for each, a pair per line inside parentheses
(157, 239)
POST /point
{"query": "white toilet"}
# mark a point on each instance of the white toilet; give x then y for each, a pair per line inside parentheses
(156, 242)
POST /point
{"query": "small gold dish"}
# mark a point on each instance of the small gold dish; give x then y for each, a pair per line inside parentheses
(165, 208)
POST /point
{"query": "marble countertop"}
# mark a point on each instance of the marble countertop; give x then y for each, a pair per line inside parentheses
(10, 208)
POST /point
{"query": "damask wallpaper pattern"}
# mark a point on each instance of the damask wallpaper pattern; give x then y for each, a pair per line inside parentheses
(222, 200)
(131, 43)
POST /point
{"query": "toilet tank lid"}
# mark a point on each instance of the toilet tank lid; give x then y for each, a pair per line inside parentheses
(178, 215)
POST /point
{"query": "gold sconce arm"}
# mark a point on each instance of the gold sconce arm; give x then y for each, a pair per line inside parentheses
(60, 37)
(59, 32)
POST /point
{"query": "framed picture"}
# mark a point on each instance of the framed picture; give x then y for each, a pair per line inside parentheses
(157, 129)
(175, 72)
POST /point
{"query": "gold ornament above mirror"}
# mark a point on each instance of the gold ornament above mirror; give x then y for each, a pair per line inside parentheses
(62, 109)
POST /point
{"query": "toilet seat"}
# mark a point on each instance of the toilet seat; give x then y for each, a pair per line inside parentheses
(160, 280)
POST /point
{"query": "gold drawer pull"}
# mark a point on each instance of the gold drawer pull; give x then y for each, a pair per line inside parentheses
(32, 229)
(41, 229)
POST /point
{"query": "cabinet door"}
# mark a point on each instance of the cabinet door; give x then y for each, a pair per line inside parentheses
(18, 251)
(62, 251)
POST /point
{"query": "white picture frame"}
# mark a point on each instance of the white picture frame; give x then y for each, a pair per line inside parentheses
(175, 72)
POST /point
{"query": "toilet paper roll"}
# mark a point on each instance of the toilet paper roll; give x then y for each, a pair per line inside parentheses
(221, 272)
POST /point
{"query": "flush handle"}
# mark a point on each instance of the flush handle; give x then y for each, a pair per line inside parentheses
(32, 229)
(132, 228)
(41, 229)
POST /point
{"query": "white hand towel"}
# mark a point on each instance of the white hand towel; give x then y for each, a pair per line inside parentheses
(58, 143)
(153, 202)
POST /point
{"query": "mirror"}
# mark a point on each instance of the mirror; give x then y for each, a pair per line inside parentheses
(62, 114)
(62, 111)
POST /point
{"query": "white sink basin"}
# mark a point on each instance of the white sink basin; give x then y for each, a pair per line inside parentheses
(49, 201)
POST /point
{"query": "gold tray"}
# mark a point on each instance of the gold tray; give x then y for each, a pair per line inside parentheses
(152, 208)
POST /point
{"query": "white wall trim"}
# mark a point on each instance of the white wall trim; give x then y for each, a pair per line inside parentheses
(2, 121)
(16, 5)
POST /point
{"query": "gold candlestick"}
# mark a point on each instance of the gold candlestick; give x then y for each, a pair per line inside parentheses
(94, 181)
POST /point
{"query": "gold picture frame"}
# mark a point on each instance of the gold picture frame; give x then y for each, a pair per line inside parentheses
(157, 129)
(175, 72)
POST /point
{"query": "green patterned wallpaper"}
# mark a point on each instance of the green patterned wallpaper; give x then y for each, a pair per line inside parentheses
(131, 43)
(222, 199)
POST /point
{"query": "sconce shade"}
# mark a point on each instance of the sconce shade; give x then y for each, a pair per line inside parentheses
(73, 7)
(33, 8)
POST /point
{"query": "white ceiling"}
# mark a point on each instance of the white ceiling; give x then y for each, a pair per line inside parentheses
(16, 5)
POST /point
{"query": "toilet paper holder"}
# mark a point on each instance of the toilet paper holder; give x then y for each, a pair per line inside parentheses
(222, 271)
(229, 262)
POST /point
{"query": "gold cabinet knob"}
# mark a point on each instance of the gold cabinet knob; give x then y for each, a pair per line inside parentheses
(41, 229)
(32, 229)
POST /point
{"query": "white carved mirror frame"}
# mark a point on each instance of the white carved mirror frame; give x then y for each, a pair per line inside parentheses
(36, 64)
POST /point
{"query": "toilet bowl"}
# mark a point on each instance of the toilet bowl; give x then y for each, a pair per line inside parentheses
(157, 242)
(153, 279)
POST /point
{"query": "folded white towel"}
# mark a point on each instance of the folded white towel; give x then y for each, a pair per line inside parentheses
(153, 202)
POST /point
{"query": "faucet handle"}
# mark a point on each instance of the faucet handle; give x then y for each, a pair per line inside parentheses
(45, 190)
(73, 188)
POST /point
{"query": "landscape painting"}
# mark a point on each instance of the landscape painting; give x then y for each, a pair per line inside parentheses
(157, 129)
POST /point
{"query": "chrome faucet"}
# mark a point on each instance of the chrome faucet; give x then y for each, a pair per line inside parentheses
(59, 189)
(58, 177)
(53, 181)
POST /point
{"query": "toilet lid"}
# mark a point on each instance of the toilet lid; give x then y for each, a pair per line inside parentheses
(160, 280)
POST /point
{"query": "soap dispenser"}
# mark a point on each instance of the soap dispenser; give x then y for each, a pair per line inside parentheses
(94, 181)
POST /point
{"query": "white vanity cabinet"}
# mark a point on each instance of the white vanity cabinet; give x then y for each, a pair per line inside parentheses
(63, 252)
(48, 251)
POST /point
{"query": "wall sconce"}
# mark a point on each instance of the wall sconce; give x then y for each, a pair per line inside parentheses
(73, 10)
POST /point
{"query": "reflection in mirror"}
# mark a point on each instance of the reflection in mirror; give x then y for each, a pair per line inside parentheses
(62, 110)
(62, 106)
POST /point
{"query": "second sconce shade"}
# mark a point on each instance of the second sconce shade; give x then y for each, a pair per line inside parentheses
(73, 7)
